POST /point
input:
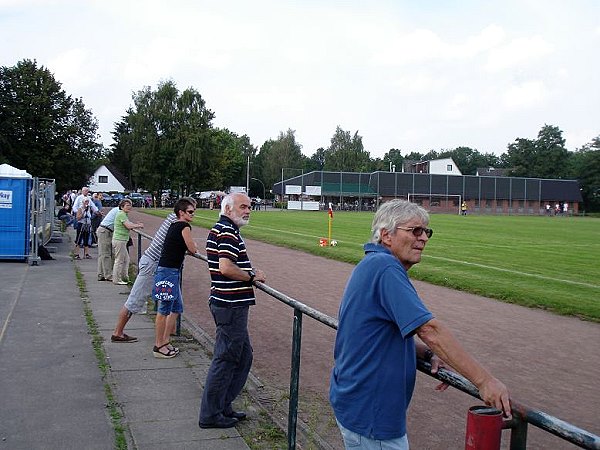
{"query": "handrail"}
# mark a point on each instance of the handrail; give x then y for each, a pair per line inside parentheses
(522, 415)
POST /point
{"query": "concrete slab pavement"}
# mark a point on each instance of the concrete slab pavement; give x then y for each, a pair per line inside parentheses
(50, 383)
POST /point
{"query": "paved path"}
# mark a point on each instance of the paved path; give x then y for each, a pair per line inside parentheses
(549, 362)
(51, 389)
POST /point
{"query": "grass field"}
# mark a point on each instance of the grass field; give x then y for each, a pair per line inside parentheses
(545, 262)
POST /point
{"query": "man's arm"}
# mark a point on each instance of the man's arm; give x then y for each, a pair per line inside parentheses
(230, 269)
(443, 343)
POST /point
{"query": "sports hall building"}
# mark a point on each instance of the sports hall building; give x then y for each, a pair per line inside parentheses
(438, 193)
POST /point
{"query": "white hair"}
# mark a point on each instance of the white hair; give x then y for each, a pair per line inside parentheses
(393, 213)
(227, 201)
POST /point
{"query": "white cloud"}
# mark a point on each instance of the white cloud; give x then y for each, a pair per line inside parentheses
(72, 68)
(404, 75)
(525, 95)
(456, 108)
(518, 52)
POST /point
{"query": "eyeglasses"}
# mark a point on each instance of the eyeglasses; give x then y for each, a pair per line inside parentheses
(418, 231)
(191, 212)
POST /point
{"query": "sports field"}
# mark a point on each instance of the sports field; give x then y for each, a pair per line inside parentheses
(545, 262)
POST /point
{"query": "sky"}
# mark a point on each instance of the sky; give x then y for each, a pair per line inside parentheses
(412, 75)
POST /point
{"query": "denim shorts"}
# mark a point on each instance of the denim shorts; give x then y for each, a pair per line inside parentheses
(356, 441)
(167, 290)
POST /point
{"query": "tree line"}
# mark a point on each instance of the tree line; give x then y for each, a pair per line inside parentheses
(166, 140)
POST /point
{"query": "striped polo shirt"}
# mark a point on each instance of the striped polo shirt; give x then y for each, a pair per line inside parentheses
(154, 250)
(224, 241)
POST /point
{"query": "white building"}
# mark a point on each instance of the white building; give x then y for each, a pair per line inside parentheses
(443, 166)
(108, 179)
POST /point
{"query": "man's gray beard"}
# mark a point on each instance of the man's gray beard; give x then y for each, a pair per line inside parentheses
(240, 222)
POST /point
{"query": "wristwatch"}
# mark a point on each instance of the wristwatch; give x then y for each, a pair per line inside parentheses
(252, 275)
(428, 356)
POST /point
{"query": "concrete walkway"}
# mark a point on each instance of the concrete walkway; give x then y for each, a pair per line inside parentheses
(51, 388)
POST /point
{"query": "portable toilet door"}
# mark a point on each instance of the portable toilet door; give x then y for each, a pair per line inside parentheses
(15, 193)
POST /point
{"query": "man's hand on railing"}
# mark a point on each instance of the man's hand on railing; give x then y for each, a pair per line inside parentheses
(437, 363)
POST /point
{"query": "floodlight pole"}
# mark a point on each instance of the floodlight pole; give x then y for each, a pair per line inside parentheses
(248, 176)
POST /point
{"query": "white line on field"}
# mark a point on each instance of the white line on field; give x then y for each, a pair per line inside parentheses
(499, 269)
(517, 272)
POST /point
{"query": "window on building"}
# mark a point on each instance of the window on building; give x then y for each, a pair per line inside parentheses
(103, 179)
(449, 168)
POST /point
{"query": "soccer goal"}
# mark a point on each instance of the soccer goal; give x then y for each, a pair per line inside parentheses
(438, 203)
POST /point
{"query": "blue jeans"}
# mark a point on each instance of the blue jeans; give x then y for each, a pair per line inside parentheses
(231, 362)
(355, 441)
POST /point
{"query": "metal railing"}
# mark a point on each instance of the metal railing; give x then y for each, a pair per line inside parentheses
(522, 415)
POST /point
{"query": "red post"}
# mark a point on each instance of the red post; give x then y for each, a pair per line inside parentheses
(484, 428)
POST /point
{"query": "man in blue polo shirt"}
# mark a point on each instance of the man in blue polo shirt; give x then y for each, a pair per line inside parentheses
(375, 351)
(231, 294)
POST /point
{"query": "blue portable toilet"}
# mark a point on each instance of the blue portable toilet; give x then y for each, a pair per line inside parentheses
(15, 189)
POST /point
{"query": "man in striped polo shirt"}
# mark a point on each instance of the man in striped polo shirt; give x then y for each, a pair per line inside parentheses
(231, 294)
(142, 287)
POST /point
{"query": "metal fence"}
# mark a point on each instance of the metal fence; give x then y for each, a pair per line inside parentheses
(354, 191)
(522, 415)
(42, 206)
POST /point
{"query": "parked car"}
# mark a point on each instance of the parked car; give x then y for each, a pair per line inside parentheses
(136, 198)
(117, 197)
(107, 200)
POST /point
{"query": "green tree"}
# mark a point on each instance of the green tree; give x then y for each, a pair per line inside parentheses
(545, 157)
(414, 156)
(552, 158)
(43, 130)
(585, 166)
(281, 153)
(166, 140)
(346, 153)
(394, 158)
(520, 157)
(317, 160)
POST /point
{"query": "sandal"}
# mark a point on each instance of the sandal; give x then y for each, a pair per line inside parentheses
(88, 256)
(158, 354)
(175, 349)
(77, 257)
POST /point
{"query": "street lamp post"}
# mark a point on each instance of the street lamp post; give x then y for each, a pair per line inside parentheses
(264, 190)
(248, 176)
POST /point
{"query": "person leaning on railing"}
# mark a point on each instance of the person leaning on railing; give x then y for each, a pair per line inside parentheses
(231, 295)
(120, 238)
(106, 260)
(375, 351)
(144, 281)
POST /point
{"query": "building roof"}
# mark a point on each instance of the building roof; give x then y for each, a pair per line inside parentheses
(491, 172)
(120, 177)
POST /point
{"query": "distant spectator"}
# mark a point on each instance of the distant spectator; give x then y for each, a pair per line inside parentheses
(84, 231)
(65, 216)
(97, 217)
